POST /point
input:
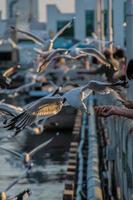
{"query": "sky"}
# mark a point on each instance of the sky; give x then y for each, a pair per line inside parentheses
(63, 5)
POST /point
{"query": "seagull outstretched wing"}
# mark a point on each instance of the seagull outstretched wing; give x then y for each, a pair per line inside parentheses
(46, 106)
(29, 35)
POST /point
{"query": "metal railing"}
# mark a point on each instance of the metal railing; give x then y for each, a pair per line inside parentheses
(119, 150)
(94, 191)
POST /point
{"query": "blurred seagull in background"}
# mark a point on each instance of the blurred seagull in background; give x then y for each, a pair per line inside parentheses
(3, 195)
(26, 157)
(48, 44)
(11, 71)
(22, 196)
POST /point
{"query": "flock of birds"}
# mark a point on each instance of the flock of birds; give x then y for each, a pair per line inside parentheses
(37, 112)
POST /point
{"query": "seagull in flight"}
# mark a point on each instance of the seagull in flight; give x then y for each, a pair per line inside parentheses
(3, 194)
(44, 107)
(26, 157)
(49, 106)
(22, 196)
(48, 44)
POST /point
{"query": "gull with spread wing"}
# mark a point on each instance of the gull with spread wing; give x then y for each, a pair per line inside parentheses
(3, 194)
(49, 106)
(26, 157)
(48, 44)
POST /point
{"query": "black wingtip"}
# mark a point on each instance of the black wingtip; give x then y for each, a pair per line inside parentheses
(12, 27)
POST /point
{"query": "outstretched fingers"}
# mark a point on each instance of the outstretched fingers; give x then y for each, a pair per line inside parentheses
(104, 111)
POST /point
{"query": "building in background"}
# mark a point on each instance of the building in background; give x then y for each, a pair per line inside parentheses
(22, 13)
(56, 20)
(85, 23)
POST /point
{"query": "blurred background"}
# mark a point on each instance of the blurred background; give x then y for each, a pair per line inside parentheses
(105, 19)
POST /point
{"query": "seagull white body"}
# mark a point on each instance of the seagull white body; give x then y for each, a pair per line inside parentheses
(73, 97)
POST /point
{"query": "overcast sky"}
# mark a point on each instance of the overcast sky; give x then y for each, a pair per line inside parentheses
(63, 5)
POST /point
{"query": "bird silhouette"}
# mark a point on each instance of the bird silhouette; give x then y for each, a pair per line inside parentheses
(49, 106)
(48, 44)
(3, 194)
(22, 196)
(26, 157)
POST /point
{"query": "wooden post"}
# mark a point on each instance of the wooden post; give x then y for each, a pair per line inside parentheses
(110, 24)
(129, 30)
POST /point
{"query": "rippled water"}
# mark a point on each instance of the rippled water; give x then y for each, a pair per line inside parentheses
(46, 179)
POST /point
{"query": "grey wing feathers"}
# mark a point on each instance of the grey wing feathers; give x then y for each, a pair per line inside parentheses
(10, 109)
(30, 36)
(68, 25)
(40, 146)
(16, 181)
(97, 54)
(41, 107)
(12, 152)
(99, 87)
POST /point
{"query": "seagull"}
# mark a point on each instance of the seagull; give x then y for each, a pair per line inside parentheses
(26, 157)
(3, 194)
(22, 196)
(4, 81)
(24, 88)
(74, 54)
(45, 106)
(49, 106)
(48, 58)
(11, 71)
(51, 58)
(10, 109)
(76, 96)
(47, 45)
(95, 53)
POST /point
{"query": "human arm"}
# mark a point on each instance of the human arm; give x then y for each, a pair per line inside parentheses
(106, 111)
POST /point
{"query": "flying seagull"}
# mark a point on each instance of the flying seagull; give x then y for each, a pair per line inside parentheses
(3, 194)
(44, 107)
(26, 157)
(22, 196)
(11, 71)
(49, 106)
(47, 45)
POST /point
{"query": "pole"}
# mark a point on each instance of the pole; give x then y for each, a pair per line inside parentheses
(98, 21)
(110, 24)
(102, 24)
(129, 29)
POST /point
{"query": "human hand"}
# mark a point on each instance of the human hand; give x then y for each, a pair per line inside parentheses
(128, 104)
(105, 111)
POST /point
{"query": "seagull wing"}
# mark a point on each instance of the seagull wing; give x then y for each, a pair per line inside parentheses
(12, 152)
(46, 106)
(10, 109)
(73, 97)
(68, 25)
(29, 35)
(22, 196)
(94, 52)
(4, 82)
(104, 87)
(16, 181)
(85, 92)
(9, 72)
(38, 148)
(47, 62)
(99, 87)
